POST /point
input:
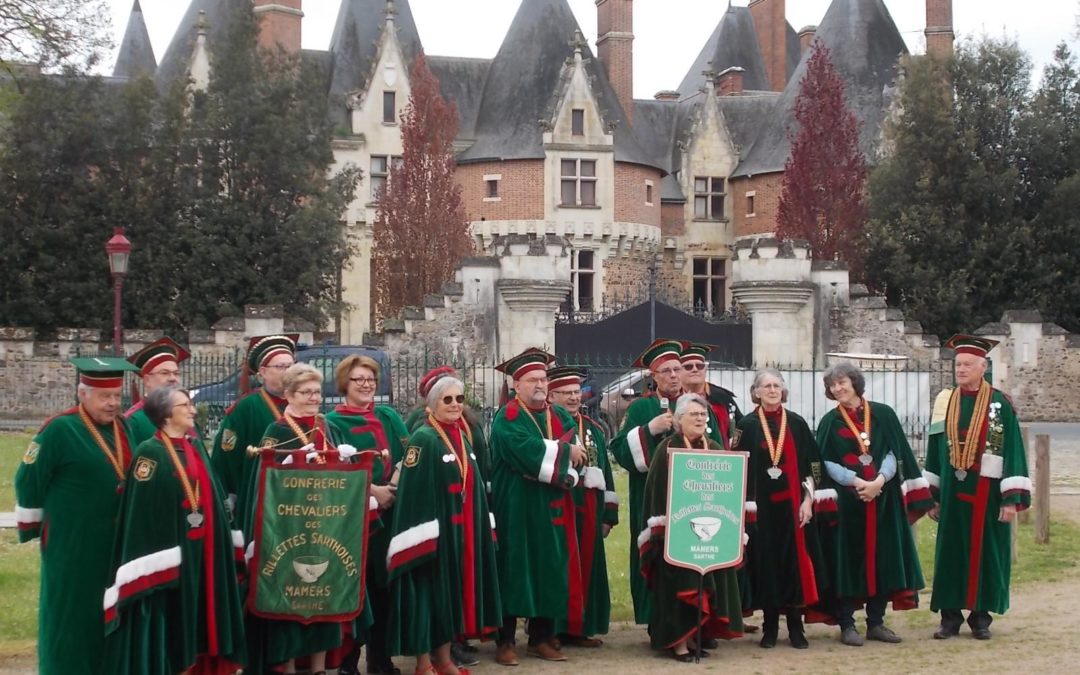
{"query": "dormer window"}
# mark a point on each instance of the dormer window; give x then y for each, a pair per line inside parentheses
(577, 122)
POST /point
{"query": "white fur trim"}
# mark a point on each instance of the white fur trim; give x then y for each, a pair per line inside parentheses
(932, 478)
(575, 478)
(633, 439)
(414, 536)
(751, 507)
(825, 495)
(372, 504)
(594, 478)
(28, 516)
(611, 498)
(249, 552)
(646, 534)
(136, 569)
(912, 484)
(547, 466)
(991, 466)
(1013, 483)
(237, 538)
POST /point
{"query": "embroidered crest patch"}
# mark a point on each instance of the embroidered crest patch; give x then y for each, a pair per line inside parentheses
(31, 453)
(144, 469)
(412, 456)
(735, 438)
(228, 439)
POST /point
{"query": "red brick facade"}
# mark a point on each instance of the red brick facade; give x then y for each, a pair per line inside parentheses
(770, 23)
(521, 190)
(673, 220)
(939, 28)
(615, 48)
(630, 194)
(278, 25)
(766, 190)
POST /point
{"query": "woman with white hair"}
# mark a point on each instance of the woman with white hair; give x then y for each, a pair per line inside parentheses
(674, 621)
(441, 558)
(783, 557)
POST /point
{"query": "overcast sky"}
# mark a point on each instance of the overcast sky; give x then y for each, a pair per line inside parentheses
(668, 33)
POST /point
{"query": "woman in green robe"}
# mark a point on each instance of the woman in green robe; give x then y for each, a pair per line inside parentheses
(174, 605)
(784, 562)
(674, 621)
(880, 488)
(441, 558)
(379, 429)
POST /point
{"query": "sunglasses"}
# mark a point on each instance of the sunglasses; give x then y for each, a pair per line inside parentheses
(447, 400)
(693, 366)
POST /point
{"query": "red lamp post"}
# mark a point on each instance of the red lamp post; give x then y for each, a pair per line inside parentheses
(118, 249)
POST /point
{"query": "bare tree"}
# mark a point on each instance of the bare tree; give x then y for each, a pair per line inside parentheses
(53, 33)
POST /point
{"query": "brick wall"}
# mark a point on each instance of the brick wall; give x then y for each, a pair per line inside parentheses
(766, 189)
(672, 220)
(521, 190)
(630, 205)
(277, 26)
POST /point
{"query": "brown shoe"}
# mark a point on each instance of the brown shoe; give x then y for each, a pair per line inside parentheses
(506, 655)
(546, 652)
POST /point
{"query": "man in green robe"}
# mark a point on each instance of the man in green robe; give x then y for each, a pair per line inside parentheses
(67, 493)
(597, 511)
(695, 363)
(269, 356)
(534, 458)
(648, 422)
(977, 470)
(159, 366)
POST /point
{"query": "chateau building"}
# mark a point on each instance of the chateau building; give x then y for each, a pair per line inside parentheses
(553, 141)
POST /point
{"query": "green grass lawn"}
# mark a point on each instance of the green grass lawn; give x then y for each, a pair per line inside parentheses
(19, 563)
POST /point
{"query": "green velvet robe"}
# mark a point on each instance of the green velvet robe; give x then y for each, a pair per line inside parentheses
(596, 504)
(973, 561)
(784, 562)
(674, 590)
(417, 418)
(243, 425)
(538, 569)
(870, 546)
(444, 580)
(139, 427)
(171, 582)
(633, 448)
(68, 495)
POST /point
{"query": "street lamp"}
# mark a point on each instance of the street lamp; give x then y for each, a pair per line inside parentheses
(118, 249)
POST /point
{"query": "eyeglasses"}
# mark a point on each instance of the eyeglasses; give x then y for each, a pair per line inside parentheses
(668, 372)
(185, 404)
(167, 373)
(700, 413)
(309, 393)
(362, 380)
(280, 366)
(693, 366)
(447, 400)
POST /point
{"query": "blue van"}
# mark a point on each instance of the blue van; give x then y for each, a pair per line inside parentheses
(218, 396)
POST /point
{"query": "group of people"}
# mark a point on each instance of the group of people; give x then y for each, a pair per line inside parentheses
(146, 537)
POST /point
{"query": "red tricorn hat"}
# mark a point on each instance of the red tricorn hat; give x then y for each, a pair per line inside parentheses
(262, 348)
(696, 351)
(527, 361)
(564, 376)
(660, 352)
(154, 354)
(971, 344)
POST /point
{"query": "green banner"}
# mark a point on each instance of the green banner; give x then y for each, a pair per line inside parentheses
(310, 534)
(705, 510)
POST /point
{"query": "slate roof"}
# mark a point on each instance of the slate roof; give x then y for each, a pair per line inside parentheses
(136, 56)
(734, 43)
(178, 54)
(461, 80)
(523, 79)
(865, 47)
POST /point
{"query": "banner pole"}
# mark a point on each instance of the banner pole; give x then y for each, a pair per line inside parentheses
(700, 634)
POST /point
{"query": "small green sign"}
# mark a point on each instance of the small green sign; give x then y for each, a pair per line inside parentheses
(705, 510)
(311, 529)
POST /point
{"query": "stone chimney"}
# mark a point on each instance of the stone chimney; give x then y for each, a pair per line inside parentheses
(615, 48)
(806, 38)
(730, 81)
(770, 24)
(667, 95)
(279, 23)
(939, 28)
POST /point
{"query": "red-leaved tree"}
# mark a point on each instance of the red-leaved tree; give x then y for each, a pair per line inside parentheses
(420, 232)
(823, 196)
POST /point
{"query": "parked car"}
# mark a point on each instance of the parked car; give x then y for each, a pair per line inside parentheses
(215, 398)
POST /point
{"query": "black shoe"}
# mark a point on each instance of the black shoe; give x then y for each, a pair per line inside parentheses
(798, 640)
(981, 633)
(688, 657)
(462, 658)
(945, 631)
(348, 670)
(710, 643)
(768, 640)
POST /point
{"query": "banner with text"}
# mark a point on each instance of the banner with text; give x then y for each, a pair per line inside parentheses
(705, 510)
(310, 537)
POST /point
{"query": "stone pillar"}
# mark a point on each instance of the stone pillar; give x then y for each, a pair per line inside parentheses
(772, 281)
(534, 281)
(263, 320)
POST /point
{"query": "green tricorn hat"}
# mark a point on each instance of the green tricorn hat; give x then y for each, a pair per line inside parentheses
(102, 372)
(527, 361)
(262, 348)
(562, 376)
(696, 351)
(155, 353)
(660, 352)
